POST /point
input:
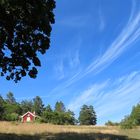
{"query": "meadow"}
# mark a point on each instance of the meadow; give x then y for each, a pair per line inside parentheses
(36, 131)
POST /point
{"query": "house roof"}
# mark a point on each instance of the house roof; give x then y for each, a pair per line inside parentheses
(27, 113)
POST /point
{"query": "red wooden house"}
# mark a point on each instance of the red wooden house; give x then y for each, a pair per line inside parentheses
(28, 117)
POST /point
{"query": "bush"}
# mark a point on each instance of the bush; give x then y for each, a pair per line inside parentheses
(128, 123)
(12, 117)
(110, 123)
(39, 120)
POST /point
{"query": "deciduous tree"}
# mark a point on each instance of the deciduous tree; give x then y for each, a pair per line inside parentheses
(25, 27)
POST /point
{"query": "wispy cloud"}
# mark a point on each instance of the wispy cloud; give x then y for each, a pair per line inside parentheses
(59, 70)
(129, 35)
(111, 96)
(70, 75)
(86, 96)
(125, 40)
(75, 21)
(120, 98)
(68, 62)
(74, 58)
(101, 20)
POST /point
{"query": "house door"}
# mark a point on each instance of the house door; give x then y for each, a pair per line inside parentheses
(28, 119)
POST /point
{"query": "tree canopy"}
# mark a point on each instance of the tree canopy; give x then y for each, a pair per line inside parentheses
(10, 98)
(38, 105)
(25, 27)
(59, 107)
(11, 110)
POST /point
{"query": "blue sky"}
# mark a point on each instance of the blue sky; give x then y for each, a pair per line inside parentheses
(93, 59)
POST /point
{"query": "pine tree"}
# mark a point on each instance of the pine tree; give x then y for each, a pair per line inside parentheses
(26, 106)
(38, 105)
(60, 107)
(10, 98)
(87, 115)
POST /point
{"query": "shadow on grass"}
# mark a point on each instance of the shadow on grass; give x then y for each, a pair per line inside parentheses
(64, 136)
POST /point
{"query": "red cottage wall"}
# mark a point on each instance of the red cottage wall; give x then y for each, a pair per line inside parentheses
(25, 117)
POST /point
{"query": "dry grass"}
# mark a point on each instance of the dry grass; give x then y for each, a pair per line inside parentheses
(36, 131)
(35, 128)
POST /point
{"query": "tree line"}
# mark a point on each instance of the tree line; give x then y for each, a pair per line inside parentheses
(11, 110)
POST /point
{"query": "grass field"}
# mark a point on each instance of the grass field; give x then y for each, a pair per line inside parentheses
(35, 131)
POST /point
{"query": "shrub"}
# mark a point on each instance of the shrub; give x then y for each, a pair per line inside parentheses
(110, 123)
(128, 123)
(12, 117)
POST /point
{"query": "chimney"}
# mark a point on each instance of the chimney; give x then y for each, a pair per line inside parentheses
(34, 112)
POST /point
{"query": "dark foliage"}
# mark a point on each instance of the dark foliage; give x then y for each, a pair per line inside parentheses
(25, 27)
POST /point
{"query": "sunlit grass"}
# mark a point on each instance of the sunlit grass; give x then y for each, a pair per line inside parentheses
(35, 128)
(54, 132)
